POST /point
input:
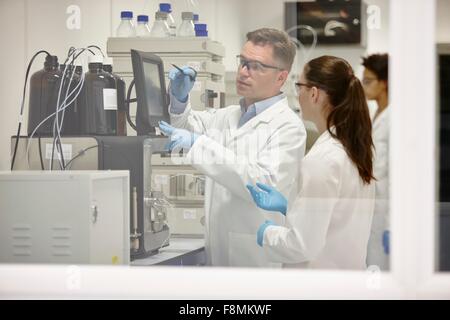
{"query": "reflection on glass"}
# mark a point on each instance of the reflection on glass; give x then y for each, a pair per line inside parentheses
(375, 83)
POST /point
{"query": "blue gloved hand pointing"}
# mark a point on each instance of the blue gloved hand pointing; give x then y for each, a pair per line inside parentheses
(268, 198)
(179, 138)
(181, 83)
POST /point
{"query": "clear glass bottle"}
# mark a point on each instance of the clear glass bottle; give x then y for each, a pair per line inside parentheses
(186, 28)
(126, 26)
(142, 29)
(166, 7)
(160, 27)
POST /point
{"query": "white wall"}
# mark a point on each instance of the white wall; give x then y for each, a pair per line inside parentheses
(12, 66)
(46, 25)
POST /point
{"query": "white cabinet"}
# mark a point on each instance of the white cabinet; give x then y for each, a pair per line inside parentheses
(70, 217)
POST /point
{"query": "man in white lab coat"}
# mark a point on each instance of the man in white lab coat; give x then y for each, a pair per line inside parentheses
(261, 139)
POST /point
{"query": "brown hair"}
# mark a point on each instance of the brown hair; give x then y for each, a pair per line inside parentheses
(283, 48)
(349, 113)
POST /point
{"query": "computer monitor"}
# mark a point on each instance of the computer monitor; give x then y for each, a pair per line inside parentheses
(152, 104)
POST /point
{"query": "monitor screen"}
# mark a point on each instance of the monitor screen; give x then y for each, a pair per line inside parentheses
(152, 82)
(148, 70)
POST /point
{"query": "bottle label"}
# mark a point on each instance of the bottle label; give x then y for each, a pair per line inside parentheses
(109, 99)
(66, 148)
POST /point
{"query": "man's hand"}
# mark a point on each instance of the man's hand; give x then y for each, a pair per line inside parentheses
(181, 83)
(179, 138)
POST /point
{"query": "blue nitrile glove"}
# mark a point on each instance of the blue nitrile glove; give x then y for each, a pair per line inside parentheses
(261, 229)
(269, 198)
(386, 240)
(179, 138)
(181, 83)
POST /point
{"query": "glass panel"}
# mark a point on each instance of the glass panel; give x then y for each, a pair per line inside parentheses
(443, 136)
(348, 30)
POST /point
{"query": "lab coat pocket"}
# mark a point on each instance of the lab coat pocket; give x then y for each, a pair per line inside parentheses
(243, 251)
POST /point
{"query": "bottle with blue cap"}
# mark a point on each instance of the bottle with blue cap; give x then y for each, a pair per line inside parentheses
(142, 29)
(166, 7)
(186, 28)
(160, 27)
(201, 29)
(126, 27)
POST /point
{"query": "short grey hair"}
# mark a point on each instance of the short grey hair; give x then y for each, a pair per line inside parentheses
(284, 48)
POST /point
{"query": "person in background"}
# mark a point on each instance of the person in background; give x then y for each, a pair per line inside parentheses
(375, 83)
(328, 225)
(261, 139)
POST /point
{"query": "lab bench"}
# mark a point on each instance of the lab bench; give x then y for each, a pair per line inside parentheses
(180, 252)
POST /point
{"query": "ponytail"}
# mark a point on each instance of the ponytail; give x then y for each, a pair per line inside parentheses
(354, 128)
(349, 113)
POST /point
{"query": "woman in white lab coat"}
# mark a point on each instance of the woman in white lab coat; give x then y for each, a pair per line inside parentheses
(328, 225)
(375, 83)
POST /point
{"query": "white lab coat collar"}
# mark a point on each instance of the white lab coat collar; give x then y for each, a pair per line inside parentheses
(325, 136)
(264, 117)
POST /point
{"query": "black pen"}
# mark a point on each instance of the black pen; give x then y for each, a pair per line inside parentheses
(181, 70)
